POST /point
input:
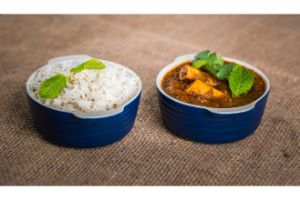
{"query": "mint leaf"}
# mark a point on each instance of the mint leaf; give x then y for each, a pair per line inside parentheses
(210, 61)
(240, 81)
(199, 63)
(93, 64)
(212, 69)
(52, 87)
(90, 64)
(201, 59)
(215, 62)
(224, 71)
(203, 55)
(77, 69)
(215, 59)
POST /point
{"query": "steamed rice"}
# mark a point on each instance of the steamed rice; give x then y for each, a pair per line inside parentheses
(89, 90)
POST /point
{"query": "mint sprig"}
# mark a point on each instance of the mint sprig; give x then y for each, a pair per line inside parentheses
(240, 79)
(212, 62)
(52, 87)
(201, 59)
(90, 64)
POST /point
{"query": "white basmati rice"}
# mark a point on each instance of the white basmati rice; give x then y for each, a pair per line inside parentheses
(89, 90)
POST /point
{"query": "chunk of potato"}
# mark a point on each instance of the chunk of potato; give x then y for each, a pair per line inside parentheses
(199, 88)
(190, 73)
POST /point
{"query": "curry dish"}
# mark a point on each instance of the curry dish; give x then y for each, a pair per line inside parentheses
(199, 87)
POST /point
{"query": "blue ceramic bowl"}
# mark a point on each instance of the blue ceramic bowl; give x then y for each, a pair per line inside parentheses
(210, 125)
(78, 129)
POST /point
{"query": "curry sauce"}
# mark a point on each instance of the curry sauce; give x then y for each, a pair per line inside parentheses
(201, 88)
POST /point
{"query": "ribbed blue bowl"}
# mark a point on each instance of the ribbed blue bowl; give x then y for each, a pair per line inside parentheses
(82, 130)
(210, 125)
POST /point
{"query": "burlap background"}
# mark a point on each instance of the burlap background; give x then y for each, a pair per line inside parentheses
(150, 155)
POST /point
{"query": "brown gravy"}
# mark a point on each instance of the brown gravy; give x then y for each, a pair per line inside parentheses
(175, 87)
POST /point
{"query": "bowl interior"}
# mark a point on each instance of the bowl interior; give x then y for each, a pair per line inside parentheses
(190, 57)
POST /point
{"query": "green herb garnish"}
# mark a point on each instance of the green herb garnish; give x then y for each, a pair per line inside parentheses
(52, 87)
(90, 64)
(201, 59)
(224, 71)
(240, 79)
(215, 59)
(212, 62)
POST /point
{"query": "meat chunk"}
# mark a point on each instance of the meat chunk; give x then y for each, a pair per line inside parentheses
(190, 73)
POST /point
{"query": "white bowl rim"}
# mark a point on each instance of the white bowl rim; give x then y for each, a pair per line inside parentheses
(188, 58)
(99, 114)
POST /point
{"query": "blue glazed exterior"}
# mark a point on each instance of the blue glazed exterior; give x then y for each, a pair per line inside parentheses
(205, 126)
(66, 129)
(82, 130)
(209, 125)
